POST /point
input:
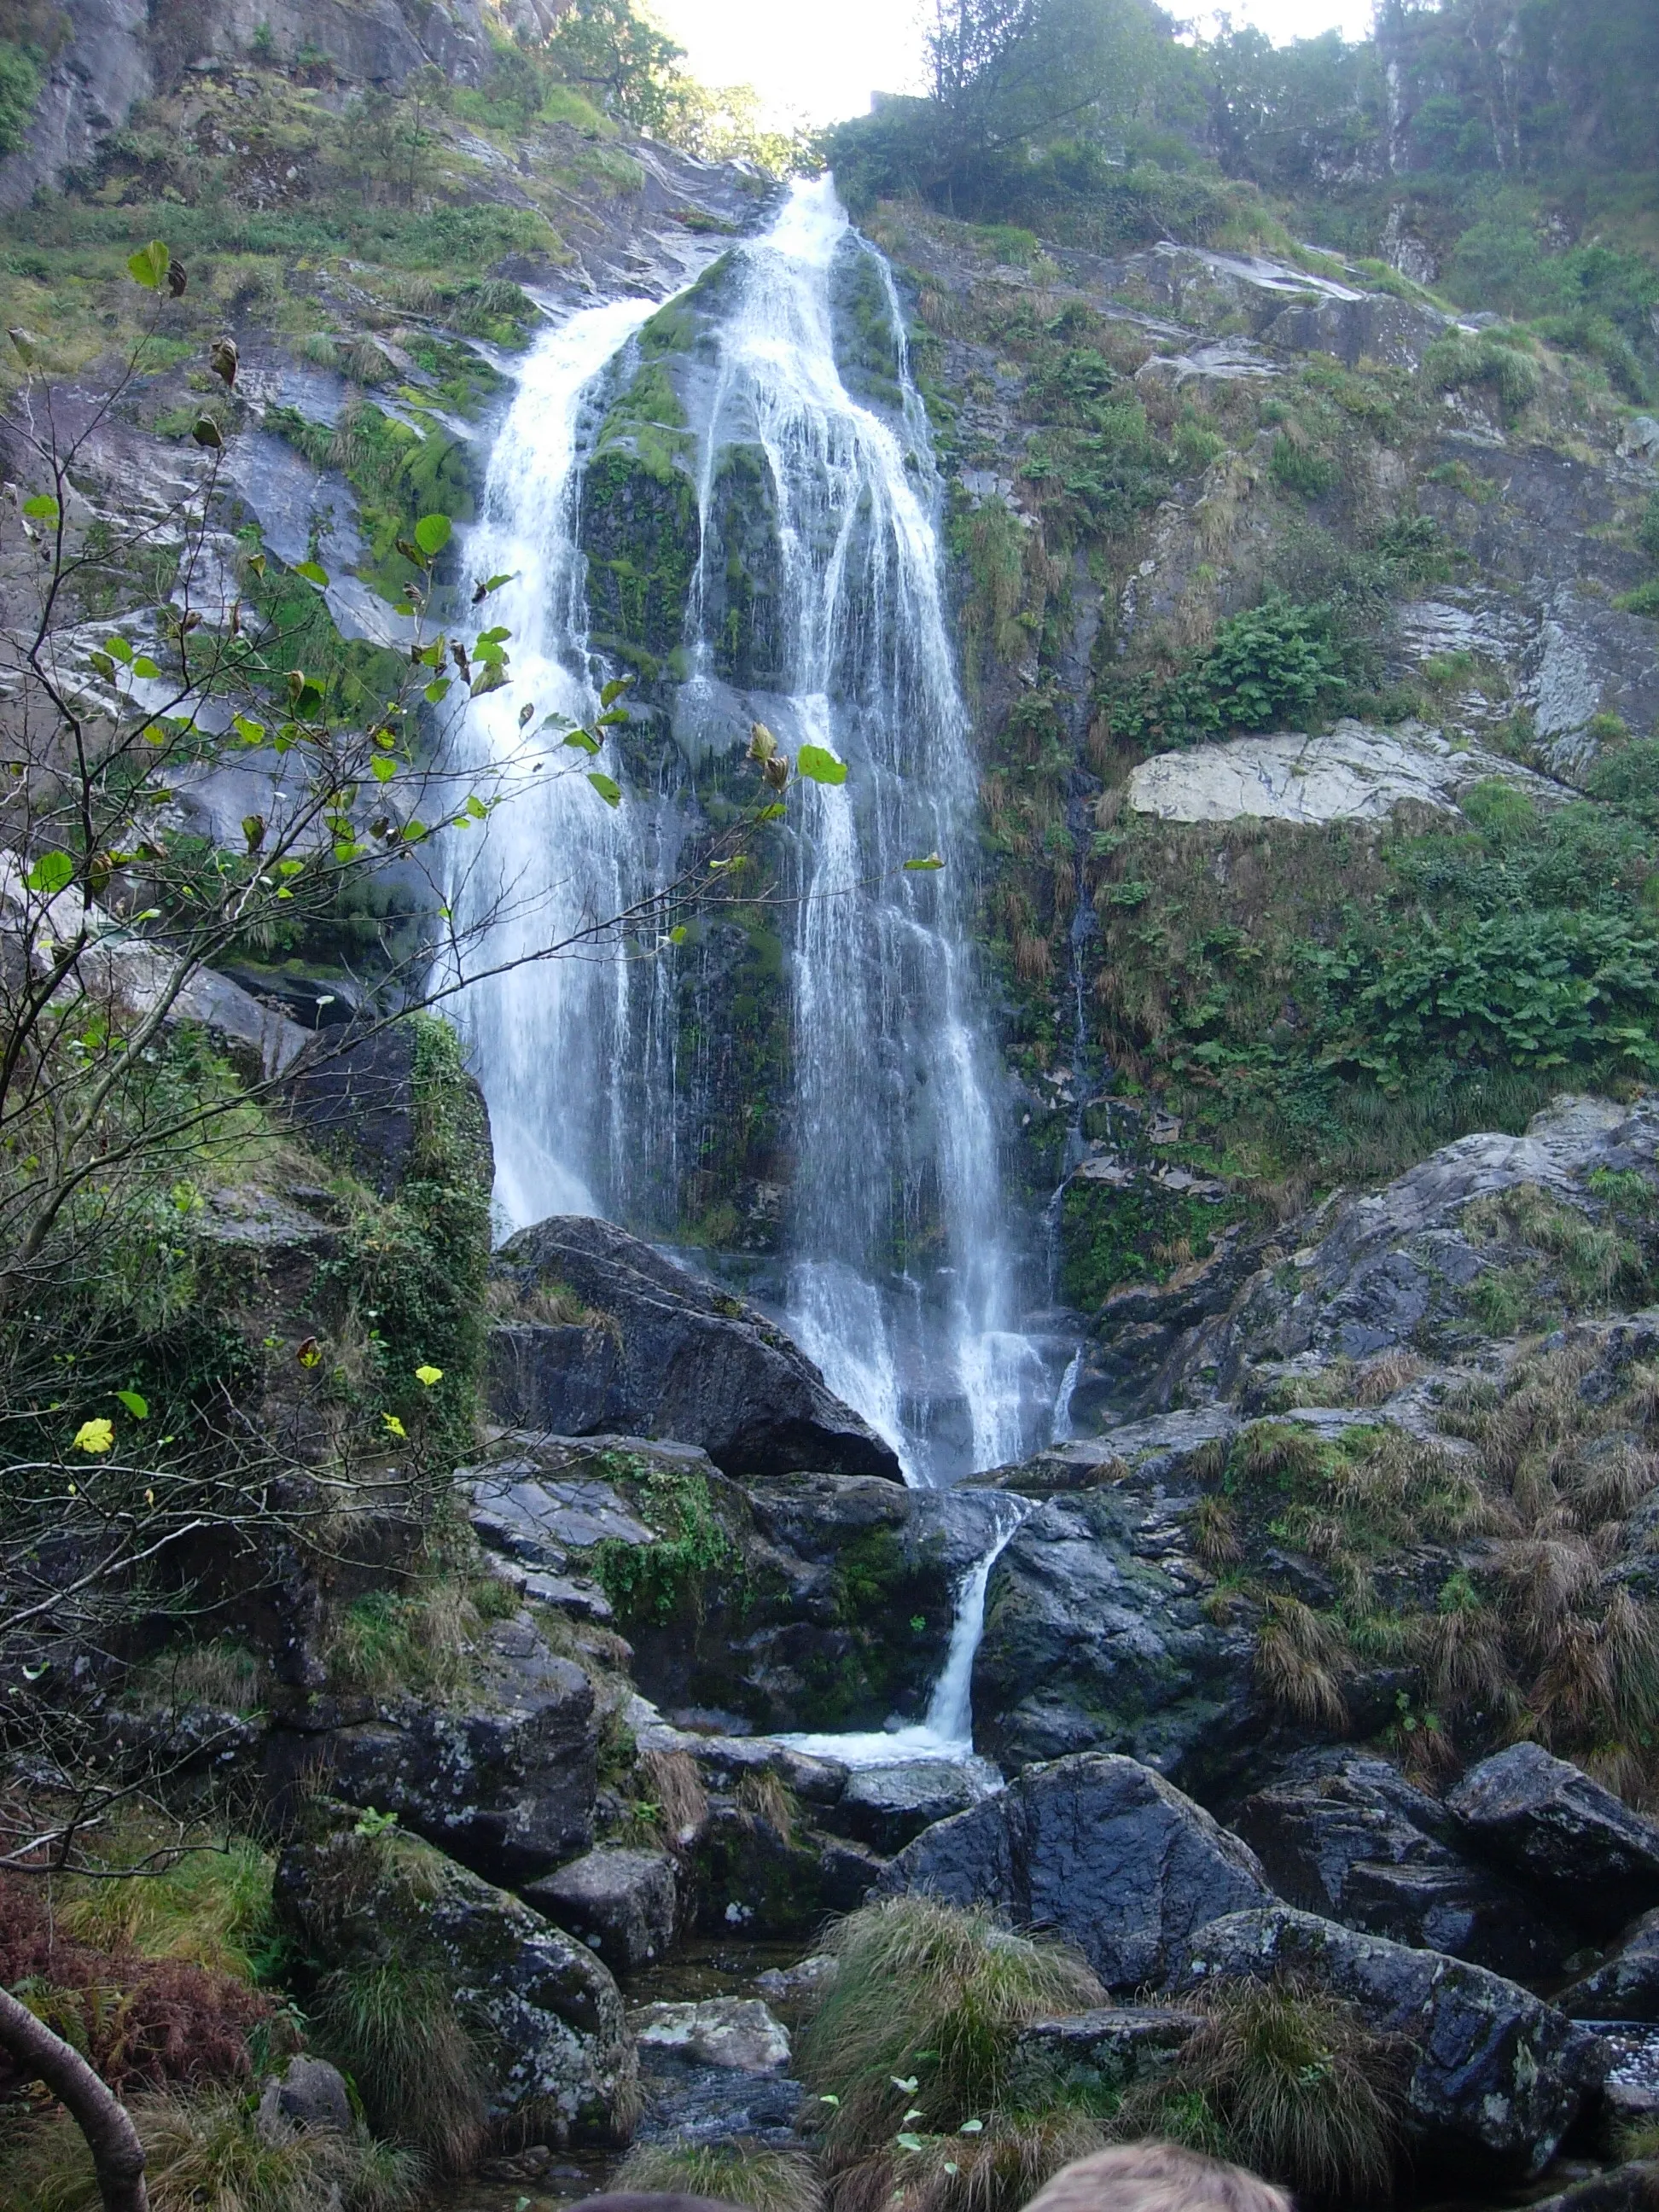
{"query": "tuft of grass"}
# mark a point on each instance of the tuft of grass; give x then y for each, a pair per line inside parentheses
(419, 1639)
(1290, 2082)
(211, 1907)
(996, 2170)
(926, 1993)
(737, 2172)
(203, 2154)
(1301, 1657)
(395, 2030)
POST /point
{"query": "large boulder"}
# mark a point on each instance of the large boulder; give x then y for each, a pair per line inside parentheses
(1100, 1849)
(1096, 1635)
(502, 1775)
(544, 2011)
(1549, 1821)
(716, 2072)
(624, 1903)
(1498, 2075)
(1359, 1843)
(666, 1356)
(1401, 1266)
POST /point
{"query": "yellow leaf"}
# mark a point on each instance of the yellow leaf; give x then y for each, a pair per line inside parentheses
(94, 1436)
(429, 1375)
(394, 1424)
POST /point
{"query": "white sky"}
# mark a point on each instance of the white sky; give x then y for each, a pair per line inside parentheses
(814, 61)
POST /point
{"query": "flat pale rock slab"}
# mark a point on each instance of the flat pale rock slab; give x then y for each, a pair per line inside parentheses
(1352, 773)
(739, 2033)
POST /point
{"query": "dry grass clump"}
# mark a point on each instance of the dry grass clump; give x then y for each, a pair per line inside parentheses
(1546, 1639)
(739, 2173)
(203, 2154)
(995, 2170)
(1289, 2081)
(394, 2029)
(915, 2034)
(672, 1784)
(1301, 1658)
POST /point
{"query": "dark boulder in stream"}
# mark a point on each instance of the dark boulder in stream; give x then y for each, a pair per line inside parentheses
(1097, 1849)
(653, 1351)
(1357, 1842)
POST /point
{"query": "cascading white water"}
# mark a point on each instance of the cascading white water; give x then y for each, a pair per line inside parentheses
(947, 1733)
(902, 1280)
(556, 1043)
(903, 1286)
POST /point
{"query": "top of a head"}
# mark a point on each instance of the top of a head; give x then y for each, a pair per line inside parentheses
(1156, 2176)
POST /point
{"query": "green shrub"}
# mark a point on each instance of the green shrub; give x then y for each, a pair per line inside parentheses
(1463, 359)
(734, 2173)
(203, 2154)
(673, 1577)
(1301, 470)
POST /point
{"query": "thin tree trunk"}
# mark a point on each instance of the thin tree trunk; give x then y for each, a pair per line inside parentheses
(118, 2156)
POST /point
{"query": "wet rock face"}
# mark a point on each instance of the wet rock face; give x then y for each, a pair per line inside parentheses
(1360, 1844)
(1499, 2076)
(504, 1776)
(546, 2011)
(685, 1361)
(714, 2071)
(1100, 1850)
(1095, 1634)
(1578, 1842)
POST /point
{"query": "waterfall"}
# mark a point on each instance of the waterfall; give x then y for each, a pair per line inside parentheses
(903, 1283)
(901, 1275)
(948, 1731)
(556, 1043)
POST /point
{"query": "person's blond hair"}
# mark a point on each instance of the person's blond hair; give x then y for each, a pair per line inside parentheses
(1155, 2177)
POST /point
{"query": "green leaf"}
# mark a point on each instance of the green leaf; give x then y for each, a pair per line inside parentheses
(102, 666)
(819, 765)
(149, 266)
(607, 786)
(930, 860)
(42, 508)
(476, 807)
(383, 768)
(614, 690)
(492, 676)
(250, 731)
(145, 666)
(137, 1406)
(437, 689)
(583, 741)
(611, 717)
(311, 572)
(52, 873)
(117, 646)
(907, 2142)
(773, 813)
(432, 534)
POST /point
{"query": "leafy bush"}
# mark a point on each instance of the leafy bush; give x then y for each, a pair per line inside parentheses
(1275, 666)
